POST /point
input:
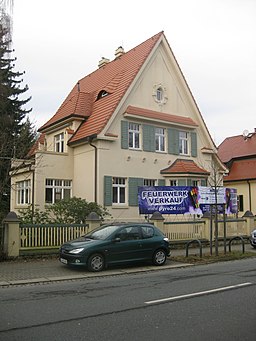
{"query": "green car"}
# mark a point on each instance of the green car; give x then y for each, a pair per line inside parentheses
(116, 244)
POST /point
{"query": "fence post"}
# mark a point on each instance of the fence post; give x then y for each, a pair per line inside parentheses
(158, 220)
(249, 222)
(207, 227)
(11, 235)
(93, 221)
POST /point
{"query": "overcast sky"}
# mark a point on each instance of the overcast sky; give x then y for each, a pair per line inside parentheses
(57, 42)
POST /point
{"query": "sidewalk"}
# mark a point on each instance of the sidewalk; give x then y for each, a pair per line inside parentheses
(31, 271)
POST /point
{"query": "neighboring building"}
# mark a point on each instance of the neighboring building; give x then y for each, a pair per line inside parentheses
(130, 123)
(238, 153)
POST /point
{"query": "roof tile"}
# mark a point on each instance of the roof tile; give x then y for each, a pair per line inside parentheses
(160, 116)
(181, 166)
(115, 78)
(242, 170)
(237, 147)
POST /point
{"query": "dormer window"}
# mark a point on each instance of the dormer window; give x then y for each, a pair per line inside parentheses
(59, 143)
(102, 94)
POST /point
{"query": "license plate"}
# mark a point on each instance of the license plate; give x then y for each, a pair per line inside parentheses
(64, 261)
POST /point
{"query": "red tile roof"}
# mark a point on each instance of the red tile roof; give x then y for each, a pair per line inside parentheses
(35, 146)
(115, 78)
(242, 170)
(160, 116)
(237, 147)
(184, 167)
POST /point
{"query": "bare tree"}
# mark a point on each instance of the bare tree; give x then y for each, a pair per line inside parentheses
(216, 182)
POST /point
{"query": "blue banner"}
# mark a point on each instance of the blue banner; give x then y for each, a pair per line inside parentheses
(185, 199)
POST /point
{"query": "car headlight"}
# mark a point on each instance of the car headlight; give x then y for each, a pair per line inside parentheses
(75, 251)
(166, 239)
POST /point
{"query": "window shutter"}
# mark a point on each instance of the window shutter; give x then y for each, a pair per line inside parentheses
(134, 183)
(189, 182)
(161, 182)
(193, 144)
(108, 190)
(148, 138)
(173, 141)
(124, 134)
(182, 182)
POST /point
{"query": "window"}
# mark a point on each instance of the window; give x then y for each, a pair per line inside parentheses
(56, 190)
(23, 192)
(129, 233)
(183, 142)
(240, 203)
(59, 143)
(173, 183)
(102, 94)
(159, 94)
(147, 232)
(160, 139)
(195, 183)
(119, 190)
(134, 136)
(149, 182)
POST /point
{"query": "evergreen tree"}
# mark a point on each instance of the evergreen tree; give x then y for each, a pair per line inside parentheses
(13, 123)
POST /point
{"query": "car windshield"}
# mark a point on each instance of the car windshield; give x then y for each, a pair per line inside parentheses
(102, 233)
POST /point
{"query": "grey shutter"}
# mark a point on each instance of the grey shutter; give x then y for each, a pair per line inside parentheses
(189, 182)
(124, 135)
(173, 141)
(161, 182)
(149, 144)
(108, 190)
(182, 182)
(134, 183)
(193, 144)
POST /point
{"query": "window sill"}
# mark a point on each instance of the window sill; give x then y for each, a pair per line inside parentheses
(114, 206)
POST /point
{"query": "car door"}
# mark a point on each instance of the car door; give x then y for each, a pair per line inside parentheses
(126, 245)
(149, 242)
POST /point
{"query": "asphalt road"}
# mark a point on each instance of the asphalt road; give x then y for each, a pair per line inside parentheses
(206, 302)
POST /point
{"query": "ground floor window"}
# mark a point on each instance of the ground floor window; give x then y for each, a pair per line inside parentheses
(23, 192)
(149, 182)
(56, 190)
(119, 190)
(188, 182)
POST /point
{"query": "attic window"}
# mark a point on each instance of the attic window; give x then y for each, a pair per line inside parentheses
(102, 94)
(160, 94)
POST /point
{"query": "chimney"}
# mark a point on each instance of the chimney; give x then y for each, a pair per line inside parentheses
(103, 62)
(119, 52)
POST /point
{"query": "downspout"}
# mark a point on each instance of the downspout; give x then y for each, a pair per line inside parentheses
(95, 165)
(250, 196)
(32, 169)
(33, 194)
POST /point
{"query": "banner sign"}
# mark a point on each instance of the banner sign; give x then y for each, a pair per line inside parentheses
(185, 199)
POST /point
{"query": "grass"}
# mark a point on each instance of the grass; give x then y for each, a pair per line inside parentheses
(207, 258)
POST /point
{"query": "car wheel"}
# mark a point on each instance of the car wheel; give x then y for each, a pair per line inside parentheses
(159, 257)
(96, 262)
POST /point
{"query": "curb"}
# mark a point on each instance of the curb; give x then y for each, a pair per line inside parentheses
(105, 273)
